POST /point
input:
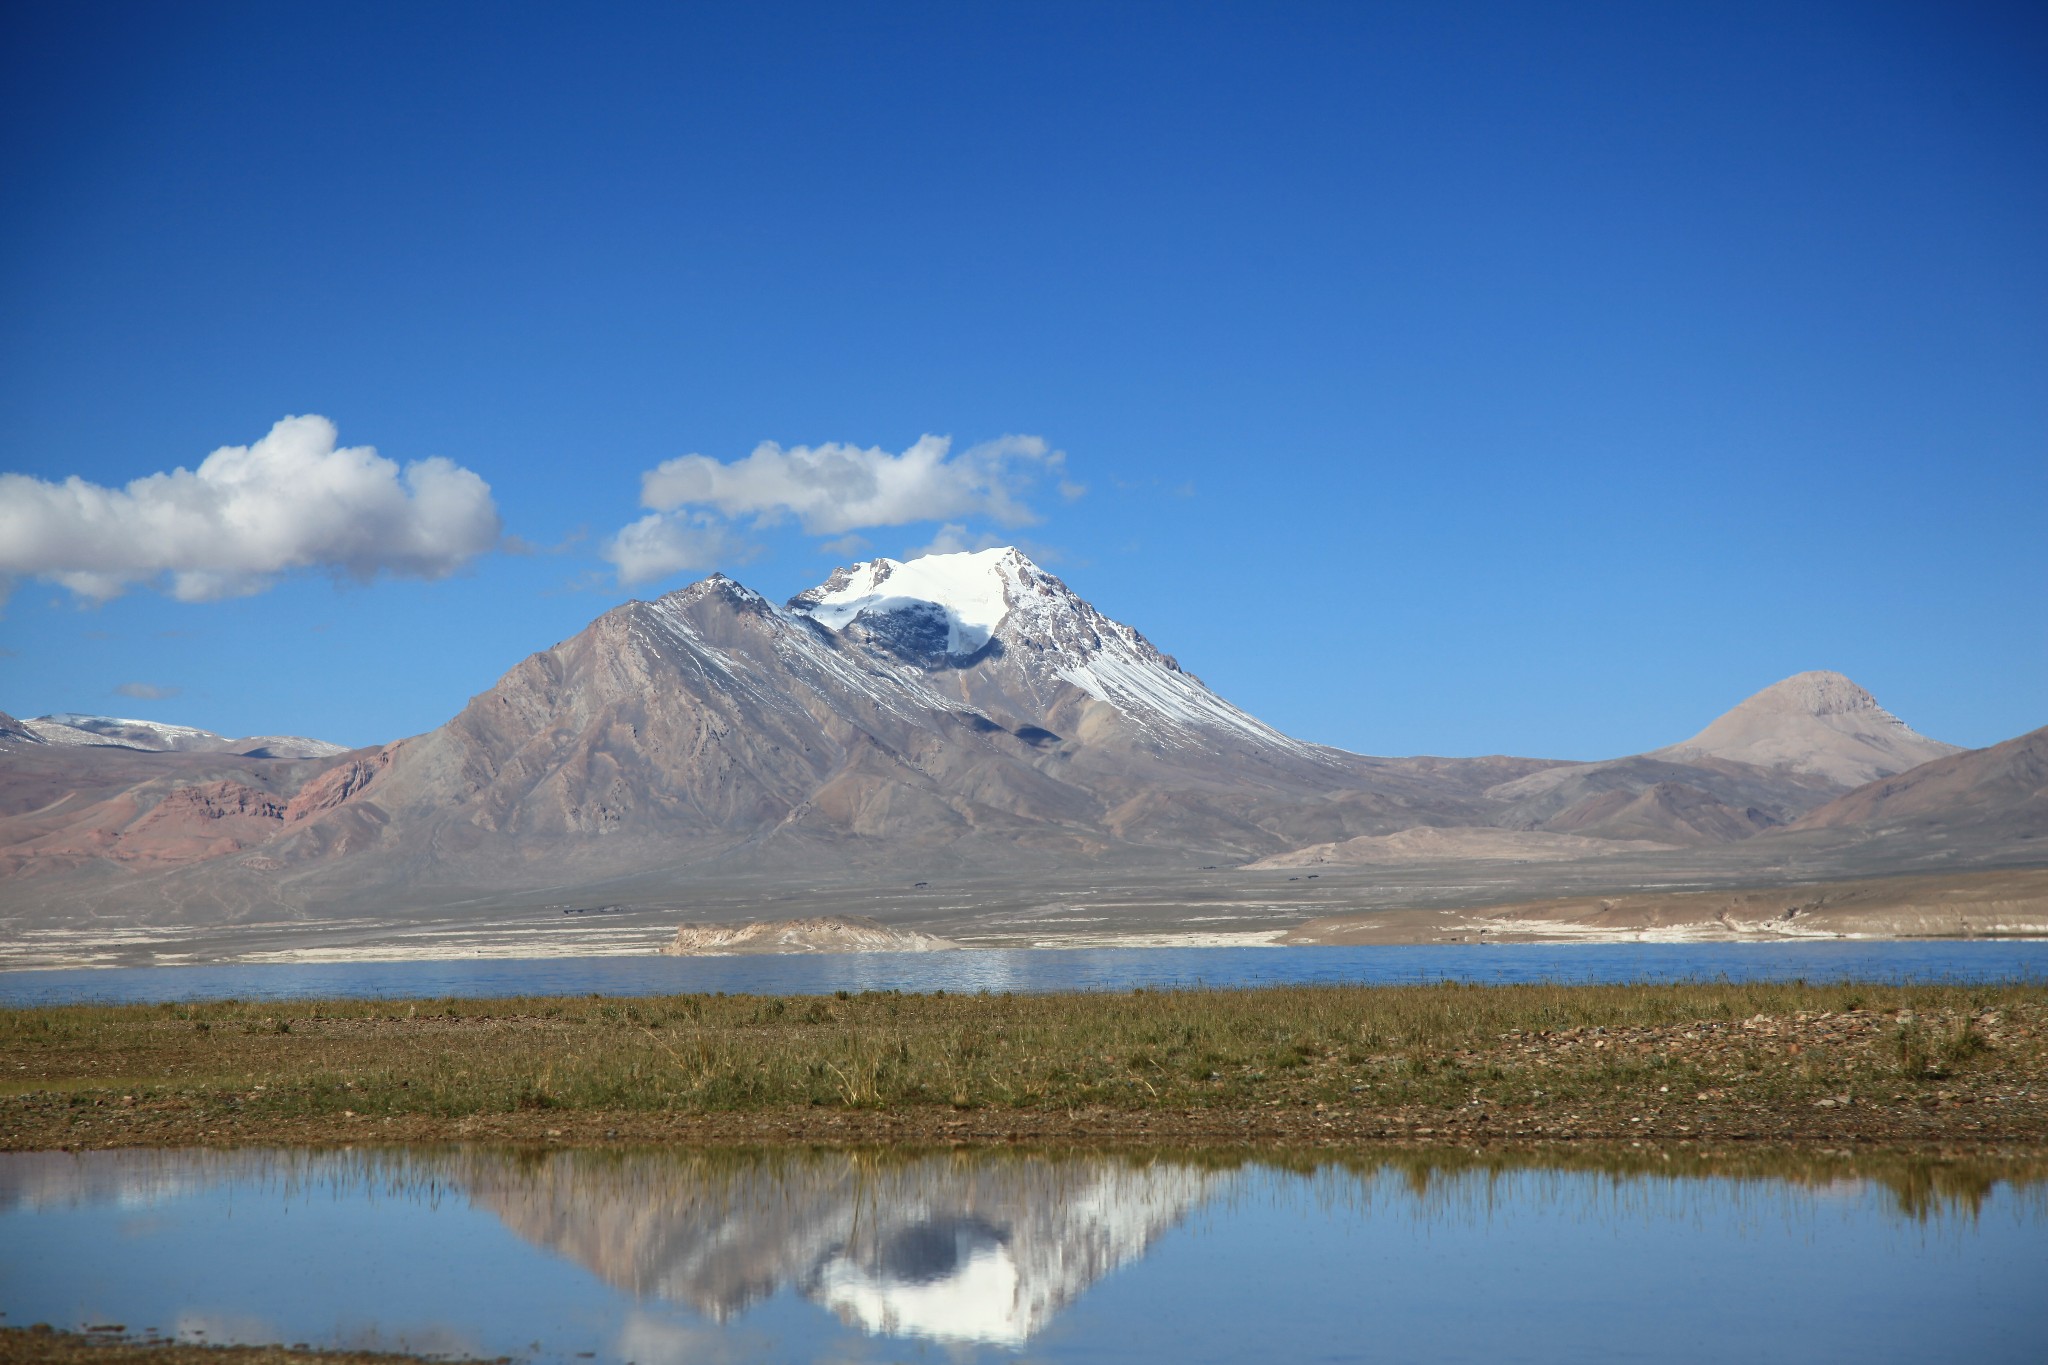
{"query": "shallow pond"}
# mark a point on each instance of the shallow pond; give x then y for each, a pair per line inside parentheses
(1048, 970)
(660, 1257)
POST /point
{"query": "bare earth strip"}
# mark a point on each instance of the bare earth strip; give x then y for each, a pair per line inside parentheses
(2007, 903)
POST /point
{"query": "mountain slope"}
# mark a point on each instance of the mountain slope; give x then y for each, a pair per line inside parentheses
(1999, 793)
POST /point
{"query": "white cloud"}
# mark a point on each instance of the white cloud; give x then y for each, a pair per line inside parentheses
(664, 543)
(142, 691)
(835, 488)
(292, 501)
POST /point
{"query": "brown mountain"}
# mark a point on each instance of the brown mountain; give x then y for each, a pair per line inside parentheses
(1982, 796)
(1763, 764)
(1818, 723)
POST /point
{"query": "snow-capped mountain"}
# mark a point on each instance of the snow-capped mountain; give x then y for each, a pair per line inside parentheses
(962, 711)
(1031, 633)
(155, 736)
(970, 702)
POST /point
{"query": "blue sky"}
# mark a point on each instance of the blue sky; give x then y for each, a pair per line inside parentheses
(1441, 378)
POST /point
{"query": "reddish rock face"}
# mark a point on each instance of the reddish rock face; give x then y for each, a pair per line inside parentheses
(336, 785)
(179, 826)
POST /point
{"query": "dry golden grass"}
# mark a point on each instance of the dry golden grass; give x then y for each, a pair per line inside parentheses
(1540, 1054)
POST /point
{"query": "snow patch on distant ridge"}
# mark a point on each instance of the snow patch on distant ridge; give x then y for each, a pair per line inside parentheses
(155, 736)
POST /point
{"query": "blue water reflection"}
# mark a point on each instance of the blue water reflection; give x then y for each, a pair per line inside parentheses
(658, 1257)
(1048, 970)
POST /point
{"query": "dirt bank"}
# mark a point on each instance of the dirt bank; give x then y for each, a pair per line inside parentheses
(2008, 903)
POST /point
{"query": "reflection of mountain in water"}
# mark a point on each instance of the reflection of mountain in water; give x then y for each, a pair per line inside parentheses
(984, 1247)
(949, 1249)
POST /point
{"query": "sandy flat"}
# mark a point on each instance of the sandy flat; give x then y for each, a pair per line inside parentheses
(2007, 903)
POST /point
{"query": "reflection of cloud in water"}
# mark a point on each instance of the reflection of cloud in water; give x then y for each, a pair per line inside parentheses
(950, 1279)
(983, 1250)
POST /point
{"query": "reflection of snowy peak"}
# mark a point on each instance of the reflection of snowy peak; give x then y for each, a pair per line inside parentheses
(1000, 1272)
(949, 1251)
(997, 612)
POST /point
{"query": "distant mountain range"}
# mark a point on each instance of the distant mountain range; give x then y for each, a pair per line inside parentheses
(964, 712)
(152, 736)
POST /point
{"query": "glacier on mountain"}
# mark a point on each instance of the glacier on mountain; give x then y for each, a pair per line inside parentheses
(998, 604)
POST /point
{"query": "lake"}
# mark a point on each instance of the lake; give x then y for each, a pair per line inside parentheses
(1048, 970)
(664, 1257)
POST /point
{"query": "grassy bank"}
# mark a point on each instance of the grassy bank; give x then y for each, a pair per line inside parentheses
(39, 1344)
(1790, 1063)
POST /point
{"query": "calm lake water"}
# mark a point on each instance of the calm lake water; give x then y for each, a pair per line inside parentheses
(665, 1257)
(1044, 970)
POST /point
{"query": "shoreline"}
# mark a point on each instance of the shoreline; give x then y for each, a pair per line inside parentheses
(1253, 911)
(1470, 933)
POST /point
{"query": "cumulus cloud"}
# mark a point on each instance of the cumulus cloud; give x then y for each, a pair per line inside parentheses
(293, 501)
(834, 488)
(664, 543)
(142, 691)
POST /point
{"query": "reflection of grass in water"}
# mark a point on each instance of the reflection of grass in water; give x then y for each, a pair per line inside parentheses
(711, 1183)
(1920, 1188)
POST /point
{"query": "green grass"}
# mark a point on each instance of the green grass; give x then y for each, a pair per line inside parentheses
(1384, 1046)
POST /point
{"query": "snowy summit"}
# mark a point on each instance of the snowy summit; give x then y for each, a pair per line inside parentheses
(960, 610)
(974, 591)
